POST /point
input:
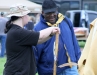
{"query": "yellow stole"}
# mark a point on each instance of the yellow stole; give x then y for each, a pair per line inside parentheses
(60, 19)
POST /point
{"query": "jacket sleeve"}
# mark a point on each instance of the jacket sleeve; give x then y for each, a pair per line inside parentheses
(38, 48)
(75, 42)
(38, 51)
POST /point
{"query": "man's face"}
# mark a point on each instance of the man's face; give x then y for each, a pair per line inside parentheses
(50, 17)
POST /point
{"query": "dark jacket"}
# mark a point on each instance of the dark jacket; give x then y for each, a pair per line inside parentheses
(29, 26)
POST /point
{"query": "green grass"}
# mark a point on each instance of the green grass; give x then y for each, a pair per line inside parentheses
(3, 60)
(81, 44)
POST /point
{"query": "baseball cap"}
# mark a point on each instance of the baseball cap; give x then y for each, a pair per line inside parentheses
(49, 6)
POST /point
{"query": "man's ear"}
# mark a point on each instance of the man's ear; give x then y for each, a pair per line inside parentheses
(42, 13)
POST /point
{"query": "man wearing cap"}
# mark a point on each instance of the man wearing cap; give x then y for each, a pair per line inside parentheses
(68, 49)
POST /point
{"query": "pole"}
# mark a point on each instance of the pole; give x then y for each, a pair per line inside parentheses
(56, 54)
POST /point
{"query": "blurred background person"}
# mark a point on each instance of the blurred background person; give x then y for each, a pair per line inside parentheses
(3, 21)
(33, 19)
(30, 24)
(37, 18)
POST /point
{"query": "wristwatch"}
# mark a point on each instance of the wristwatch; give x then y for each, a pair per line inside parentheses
(51, 35)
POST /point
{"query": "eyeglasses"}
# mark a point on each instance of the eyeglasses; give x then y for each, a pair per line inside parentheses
(51, 13)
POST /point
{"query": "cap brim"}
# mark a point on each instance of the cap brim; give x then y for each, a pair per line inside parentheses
(19, 14)
(50, 10)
